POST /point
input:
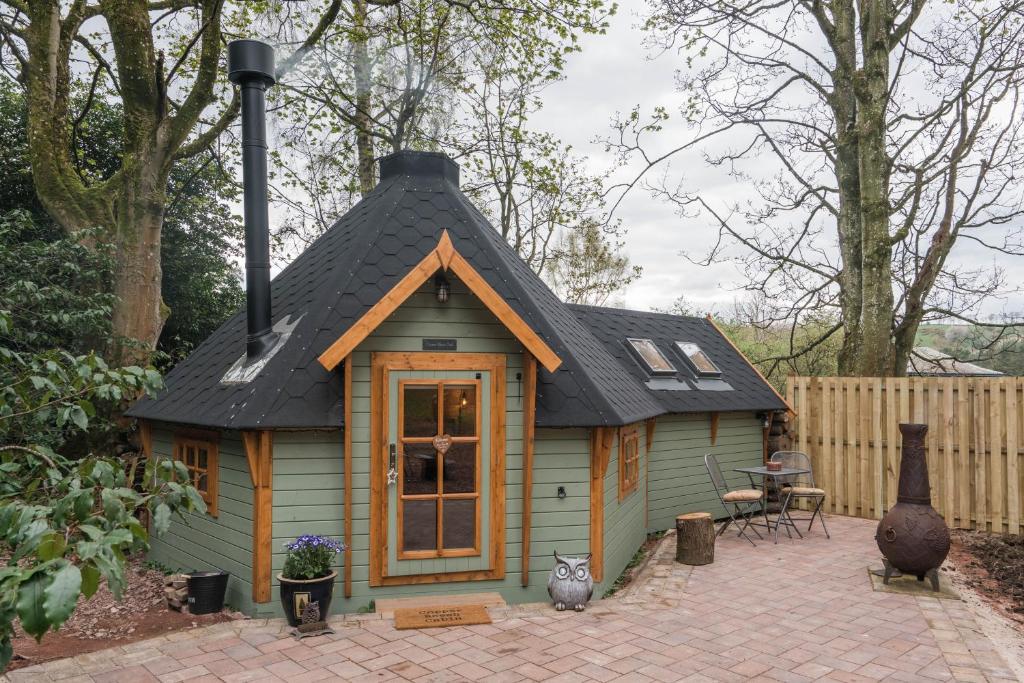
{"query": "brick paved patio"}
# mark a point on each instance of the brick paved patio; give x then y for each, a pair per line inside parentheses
(799, 611)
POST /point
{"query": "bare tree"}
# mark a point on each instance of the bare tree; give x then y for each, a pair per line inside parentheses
(161, 59)
(589, 268)
(534, 188)
(430, 75)
(891, 133)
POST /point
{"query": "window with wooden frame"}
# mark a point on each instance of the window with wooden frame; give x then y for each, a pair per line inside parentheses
(199, 456)
(629, 460)
(439, 469)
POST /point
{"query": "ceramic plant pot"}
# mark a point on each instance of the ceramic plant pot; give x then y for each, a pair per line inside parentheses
(297, 593)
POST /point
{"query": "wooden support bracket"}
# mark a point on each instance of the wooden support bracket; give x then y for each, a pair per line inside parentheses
(347, 463)
(529, 420)
(601, 440)
(259, 454)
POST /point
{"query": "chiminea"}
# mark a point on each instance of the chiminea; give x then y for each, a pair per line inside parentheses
(912, 536)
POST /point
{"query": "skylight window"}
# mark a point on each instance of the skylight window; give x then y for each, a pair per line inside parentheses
(651, 356)
(699, 360)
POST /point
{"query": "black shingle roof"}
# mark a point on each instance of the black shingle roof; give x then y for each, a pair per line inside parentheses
(334, 282)
(748, 391)
(339, 277)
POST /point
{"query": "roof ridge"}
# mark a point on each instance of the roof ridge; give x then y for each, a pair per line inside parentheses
(636, 312)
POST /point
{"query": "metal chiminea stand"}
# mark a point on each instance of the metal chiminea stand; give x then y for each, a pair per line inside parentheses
(912, 536)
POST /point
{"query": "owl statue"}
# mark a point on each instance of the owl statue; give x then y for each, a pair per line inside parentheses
(570, 583)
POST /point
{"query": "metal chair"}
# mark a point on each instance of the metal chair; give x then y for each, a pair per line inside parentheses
(801, 485)
(744, 502)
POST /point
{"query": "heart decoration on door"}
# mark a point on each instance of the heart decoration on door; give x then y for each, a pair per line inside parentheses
(442, 443)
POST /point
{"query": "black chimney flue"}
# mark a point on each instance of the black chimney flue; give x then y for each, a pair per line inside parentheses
(251, 66)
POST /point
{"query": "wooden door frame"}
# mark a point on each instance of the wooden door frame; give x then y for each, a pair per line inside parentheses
(383, 363)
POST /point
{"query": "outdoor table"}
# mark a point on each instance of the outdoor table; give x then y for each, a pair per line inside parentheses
(764, 472)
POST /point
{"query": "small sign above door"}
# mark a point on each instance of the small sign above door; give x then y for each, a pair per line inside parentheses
(440, 345)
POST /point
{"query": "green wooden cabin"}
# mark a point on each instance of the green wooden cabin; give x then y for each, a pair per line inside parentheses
(411, 340)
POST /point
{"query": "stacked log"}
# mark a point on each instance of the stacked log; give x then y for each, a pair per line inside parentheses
(176, 592)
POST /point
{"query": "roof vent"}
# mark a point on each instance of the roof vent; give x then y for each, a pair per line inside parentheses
(419, 165)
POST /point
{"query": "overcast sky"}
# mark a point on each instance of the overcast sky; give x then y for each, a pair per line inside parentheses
(615, 72)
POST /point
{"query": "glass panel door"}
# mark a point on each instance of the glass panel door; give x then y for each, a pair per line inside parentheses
(439, 504)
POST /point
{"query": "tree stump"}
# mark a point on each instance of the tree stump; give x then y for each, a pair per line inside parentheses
(695, 538)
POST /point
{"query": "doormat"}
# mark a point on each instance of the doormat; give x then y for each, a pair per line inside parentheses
(433, 617)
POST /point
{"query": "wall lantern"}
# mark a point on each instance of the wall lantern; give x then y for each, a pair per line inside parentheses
(443, 289)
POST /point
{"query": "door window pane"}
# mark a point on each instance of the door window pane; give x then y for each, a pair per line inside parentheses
(419, 525)
(459, 524)
(460, 409)
(419, 469)
(460, 468)
(420, 410)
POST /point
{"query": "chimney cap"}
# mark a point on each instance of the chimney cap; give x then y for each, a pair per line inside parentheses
(419, 165)
(251, 59)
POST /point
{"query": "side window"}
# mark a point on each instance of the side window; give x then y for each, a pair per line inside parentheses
(200, 458)
(629, 460)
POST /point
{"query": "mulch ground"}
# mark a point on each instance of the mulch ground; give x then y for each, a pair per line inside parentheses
(103, 621)
(993, 565)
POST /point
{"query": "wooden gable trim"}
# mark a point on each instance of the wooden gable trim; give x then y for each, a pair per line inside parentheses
(347, 464)
(259, 451)
(789, 406)
(443, 257)
(529, 428)
(601, 440)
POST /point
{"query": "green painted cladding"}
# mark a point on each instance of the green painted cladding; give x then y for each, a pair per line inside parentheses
(221, 542)
(679, 481)
(465, 319)
(624, 530)
(308, 496)
(308, 479)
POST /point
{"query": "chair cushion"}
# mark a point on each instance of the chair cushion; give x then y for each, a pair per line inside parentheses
(803, 491)
(742, 496)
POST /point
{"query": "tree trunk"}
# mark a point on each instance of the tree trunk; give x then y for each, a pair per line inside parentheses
(127, 209)
(139, 313)
(363, 78)
(872, 89)
(695, 538)
(847, 167)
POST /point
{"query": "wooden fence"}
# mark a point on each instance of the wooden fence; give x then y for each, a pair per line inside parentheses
(849, 427)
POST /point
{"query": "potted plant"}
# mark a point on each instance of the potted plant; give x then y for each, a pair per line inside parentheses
(307, 577)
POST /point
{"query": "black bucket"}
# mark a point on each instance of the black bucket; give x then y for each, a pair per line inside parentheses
(206, 592)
